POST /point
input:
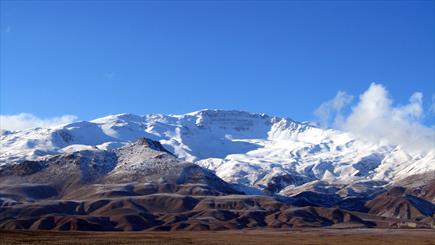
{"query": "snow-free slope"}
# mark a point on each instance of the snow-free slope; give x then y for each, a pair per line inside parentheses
(245, 148)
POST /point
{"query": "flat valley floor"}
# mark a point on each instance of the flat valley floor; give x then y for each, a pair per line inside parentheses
(248, 237)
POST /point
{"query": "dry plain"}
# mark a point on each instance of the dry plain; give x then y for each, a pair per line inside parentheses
(250, 237)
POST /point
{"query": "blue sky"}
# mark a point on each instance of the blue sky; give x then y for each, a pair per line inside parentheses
(92, 58)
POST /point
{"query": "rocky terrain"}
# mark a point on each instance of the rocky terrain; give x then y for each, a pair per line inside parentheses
(141, 186)
(208, 170)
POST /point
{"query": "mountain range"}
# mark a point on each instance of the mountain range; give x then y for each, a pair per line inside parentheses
(210, 169)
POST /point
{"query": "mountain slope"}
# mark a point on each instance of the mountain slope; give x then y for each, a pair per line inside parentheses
(142, 186)
(117, 170)
(253, 150)
(139, 186)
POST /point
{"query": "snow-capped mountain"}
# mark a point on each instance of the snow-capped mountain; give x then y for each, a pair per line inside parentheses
(244, 148)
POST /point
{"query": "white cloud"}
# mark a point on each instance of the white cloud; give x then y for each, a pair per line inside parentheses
(376, 118)
(26, 120)
(332, 110)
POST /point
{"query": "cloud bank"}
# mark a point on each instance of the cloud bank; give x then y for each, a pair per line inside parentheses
(377, 119)
(27, 120)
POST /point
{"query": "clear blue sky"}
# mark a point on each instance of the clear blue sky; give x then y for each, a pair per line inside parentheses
(283, 58)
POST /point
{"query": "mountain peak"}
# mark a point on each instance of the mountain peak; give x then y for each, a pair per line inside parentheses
(222, 112)
(155, 145)
(242, 147)
(122, 116)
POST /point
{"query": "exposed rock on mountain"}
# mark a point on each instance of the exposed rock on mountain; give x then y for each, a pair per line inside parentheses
(208, 170)
(250, 149)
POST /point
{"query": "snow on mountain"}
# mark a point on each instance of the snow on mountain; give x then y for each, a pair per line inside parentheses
(241, 147)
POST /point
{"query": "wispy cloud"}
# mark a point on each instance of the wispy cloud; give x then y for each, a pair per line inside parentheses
(26, 120)
(331, 111)
(376, 118)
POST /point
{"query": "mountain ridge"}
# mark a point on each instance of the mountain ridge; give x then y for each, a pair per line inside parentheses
(251, 149)
(141, 186)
